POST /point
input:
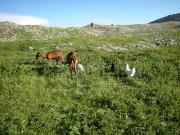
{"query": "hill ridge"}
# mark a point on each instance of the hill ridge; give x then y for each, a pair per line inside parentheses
(169, 18)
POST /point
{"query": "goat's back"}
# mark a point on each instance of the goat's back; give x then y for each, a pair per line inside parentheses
(55, 55)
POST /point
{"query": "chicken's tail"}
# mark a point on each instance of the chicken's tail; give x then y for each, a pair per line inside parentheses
(133, 71)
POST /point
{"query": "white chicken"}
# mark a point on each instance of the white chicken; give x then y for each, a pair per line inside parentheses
(80, 66)
(130, 72)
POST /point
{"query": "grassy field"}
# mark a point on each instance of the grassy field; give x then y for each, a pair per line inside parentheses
(37, 97)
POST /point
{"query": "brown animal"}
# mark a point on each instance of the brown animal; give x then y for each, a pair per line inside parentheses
(55, 55)
(72, 61)
(41, 55)
(52, 55)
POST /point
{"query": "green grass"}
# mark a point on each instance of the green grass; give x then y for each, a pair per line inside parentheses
(37, 97)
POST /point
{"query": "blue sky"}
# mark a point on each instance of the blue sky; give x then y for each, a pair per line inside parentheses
(68, 13)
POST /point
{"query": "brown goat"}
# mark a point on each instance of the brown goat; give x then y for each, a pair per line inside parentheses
(41, 55)
(55, 55)
(52, 55)
(72, 61)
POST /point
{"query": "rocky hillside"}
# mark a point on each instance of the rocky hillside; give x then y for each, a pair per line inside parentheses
(12, 32)
(131, 29)
(169, 18)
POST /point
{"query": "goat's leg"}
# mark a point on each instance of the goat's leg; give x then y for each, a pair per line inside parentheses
(49, 60)
(62, 60)
(74, 68)
(57, 62)
(70, 68)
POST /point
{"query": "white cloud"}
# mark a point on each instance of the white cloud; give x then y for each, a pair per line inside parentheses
(102, 21)
(22, 20)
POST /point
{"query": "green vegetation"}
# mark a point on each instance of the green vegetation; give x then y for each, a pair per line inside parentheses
(40, 97)
(37, 97)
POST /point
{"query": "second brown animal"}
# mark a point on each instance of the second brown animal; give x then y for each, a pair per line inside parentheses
(72, 61)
